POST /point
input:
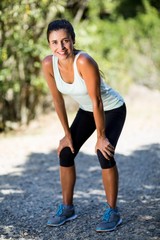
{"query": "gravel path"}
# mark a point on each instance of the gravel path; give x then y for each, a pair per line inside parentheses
(30, 186)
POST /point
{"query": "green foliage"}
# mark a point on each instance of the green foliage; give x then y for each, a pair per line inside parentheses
(22, 27)
(123, 36)
(127, 50)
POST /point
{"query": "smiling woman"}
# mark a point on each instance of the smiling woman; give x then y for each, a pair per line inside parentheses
(73, 72)
(61, 43)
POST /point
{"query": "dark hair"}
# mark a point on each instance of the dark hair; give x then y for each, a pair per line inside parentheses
(61, 24)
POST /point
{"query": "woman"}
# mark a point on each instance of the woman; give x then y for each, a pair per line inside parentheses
(73, 72)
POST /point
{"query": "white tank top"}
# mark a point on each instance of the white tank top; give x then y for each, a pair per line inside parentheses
(78, 90)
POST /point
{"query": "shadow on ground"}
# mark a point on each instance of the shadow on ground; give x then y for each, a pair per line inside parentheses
(28, 195)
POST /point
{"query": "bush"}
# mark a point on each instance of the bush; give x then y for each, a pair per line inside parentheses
(126, 46)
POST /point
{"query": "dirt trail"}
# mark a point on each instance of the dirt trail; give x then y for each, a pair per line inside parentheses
(30, 185)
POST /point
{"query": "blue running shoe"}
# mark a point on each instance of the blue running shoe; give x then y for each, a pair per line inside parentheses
(111, 219)
(63, 214)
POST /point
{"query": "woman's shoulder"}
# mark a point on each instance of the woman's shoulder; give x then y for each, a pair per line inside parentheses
(47, 61)
(85, 59)
(47, 64)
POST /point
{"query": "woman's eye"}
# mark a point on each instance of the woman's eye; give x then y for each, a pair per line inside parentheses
(54, 43)
(66, 40)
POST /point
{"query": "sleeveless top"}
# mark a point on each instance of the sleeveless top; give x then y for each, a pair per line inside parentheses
(78, 90)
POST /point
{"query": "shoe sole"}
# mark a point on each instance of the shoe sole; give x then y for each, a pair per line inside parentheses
(61, 223)
(111, 229)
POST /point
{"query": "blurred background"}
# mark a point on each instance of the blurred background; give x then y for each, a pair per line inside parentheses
(122, 35)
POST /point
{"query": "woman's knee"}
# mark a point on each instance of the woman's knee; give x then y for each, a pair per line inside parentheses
(66, 157)
(104, 162)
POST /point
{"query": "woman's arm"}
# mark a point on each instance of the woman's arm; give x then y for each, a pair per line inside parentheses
(57, 100)
(89, 71)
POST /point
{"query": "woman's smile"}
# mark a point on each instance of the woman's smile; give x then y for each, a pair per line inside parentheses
(61, 43)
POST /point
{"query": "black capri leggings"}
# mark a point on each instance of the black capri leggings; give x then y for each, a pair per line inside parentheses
(82, 128)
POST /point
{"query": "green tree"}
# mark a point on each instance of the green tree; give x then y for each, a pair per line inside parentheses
(22, 27)
(122, 35)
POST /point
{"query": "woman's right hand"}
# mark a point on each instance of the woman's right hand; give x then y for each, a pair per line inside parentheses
(105, 147)
(66, 141)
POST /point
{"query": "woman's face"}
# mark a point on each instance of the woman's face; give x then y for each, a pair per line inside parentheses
(61, 44)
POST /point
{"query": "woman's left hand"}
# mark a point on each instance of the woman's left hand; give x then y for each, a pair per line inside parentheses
(105, 147)
(66, 141)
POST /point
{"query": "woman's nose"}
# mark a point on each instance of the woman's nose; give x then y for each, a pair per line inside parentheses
(62, 46)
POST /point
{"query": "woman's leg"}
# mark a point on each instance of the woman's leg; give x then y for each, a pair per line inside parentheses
(114, 123)
(110, 182)
(68, 179)
(81, 129)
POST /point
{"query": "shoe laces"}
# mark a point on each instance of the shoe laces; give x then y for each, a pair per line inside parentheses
(60, 210)
(107, 214)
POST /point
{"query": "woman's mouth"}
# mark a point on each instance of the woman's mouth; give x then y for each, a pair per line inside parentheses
(62, 53)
